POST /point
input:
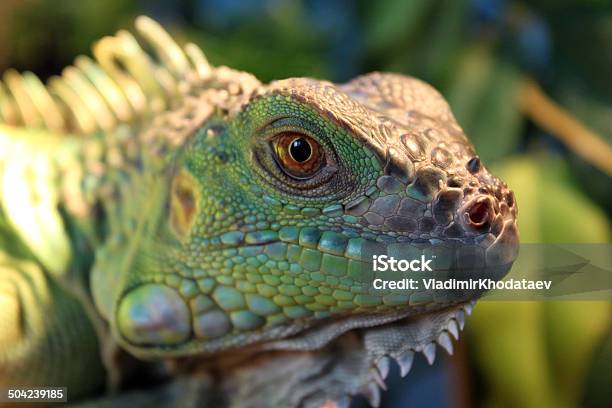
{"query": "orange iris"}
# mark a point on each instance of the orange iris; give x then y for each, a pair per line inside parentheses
(299, 155)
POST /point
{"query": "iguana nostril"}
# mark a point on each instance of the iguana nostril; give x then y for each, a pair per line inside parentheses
(154, 314)
(478, 213)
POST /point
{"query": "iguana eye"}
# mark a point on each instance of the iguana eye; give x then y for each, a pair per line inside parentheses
(299, 156)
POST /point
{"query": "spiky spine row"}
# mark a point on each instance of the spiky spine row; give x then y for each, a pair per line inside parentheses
(123, 83)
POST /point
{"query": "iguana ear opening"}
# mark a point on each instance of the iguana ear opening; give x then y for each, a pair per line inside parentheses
(184, 199)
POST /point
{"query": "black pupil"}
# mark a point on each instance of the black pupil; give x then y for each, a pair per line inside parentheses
(300, 150)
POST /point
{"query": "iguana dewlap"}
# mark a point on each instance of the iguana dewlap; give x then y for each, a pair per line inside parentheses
(165, 220)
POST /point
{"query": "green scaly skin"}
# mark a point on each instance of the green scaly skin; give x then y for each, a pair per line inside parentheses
(172, 234)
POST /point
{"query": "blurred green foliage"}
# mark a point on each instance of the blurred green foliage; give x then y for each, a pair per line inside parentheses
(477, 53)
(537, 354)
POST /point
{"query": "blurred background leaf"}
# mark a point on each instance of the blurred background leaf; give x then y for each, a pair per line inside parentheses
(537, 354)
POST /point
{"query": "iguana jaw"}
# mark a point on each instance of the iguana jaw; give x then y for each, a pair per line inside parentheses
(162, 323)
(172, 328)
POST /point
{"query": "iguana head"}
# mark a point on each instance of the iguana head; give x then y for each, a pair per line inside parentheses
(266, 218)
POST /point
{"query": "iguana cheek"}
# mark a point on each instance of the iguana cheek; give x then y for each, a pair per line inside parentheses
(154, 314)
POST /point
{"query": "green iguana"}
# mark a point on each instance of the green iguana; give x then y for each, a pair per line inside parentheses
(185, 229)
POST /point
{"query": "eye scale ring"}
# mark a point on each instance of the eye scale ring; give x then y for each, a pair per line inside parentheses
(298, 155)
